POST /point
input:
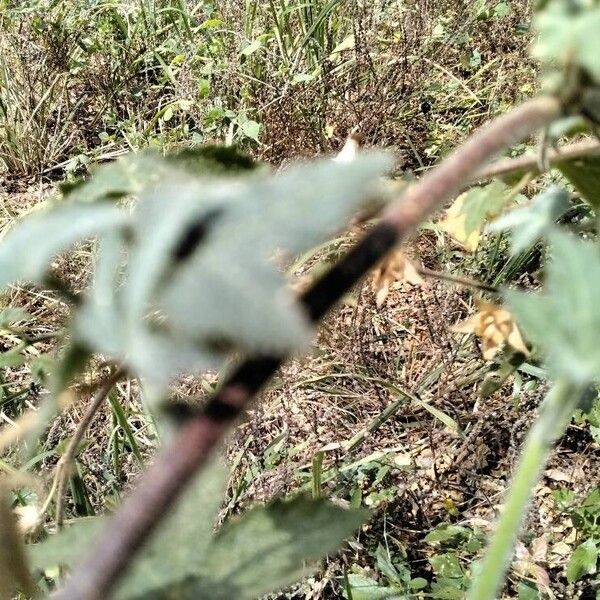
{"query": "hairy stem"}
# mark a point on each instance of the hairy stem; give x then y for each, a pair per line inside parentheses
(200, 433)
(65, 464)
(555, 414)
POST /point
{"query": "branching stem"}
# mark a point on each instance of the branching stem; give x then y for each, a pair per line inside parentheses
(184, 455)
(530, 162)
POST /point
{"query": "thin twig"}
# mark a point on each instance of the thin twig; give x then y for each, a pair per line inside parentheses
(464, 281)
(200, 433)
(67, 460)
(530, 162)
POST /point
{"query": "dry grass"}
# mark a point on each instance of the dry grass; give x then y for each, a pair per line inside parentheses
(436, 475)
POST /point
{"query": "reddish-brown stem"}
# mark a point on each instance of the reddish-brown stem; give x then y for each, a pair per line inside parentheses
(197, 437)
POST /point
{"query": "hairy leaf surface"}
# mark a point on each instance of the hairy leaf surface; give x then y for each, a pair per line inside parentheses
(29, 246)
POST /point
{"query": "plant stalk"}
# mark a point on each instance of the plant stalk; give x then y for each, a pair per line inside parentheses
(555, 415)
(202, 432)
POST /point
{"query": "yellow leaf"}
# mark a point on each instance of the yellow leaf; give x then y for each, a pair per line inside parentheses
(396, 267)
(496, 328)
(454, 223)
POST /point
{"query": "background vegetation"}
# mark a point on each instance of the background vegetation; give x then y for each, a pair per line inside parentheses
(392, 410)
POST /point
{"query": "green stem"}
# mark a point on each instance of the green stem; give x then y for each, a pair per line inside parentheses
(555, 415)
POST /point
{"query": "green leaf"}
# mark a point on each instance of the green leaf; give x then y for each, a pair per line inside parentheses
(446, 532)
(482, 203)
(418, 583)
(65, 547)
(212, 160)
(564, 320)
(177, 549)
(230, 289)
(252, 47)
(189, 274)
(129, 175)
(527, 591)
(502, 9)
(13, 357)
(569, 37)
(563, 499)
(583, 561)
(269, 548)
(399, 575)
(31, 243)
(365, 588)
(251, 129)
(109, 322)
(584, 174)
(168, 114)
(531, 223)
(181, 545)
(8, 316)
(447, 566)
(135, 173)
(465, 218)
(265, 550)
(448, 589)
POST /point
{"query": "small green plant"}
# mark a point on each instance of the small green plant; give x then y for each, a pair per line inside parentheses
(585, 517)
(395, 578)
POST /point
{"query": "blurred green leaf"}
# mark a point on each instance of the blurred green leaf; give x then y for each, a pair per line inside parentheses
(28, 247)
(269, 547)
(176, 551)
(584, 174)
(563, 499)
(199, 278)
(569, 35)
(230, 290)
(564, 319)
(527, 591)
(135, 173)
(583, 561)
(13, 358)
(9, 315)
(464, 220)
(66, 546)
(481, 203)
(532, 222)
